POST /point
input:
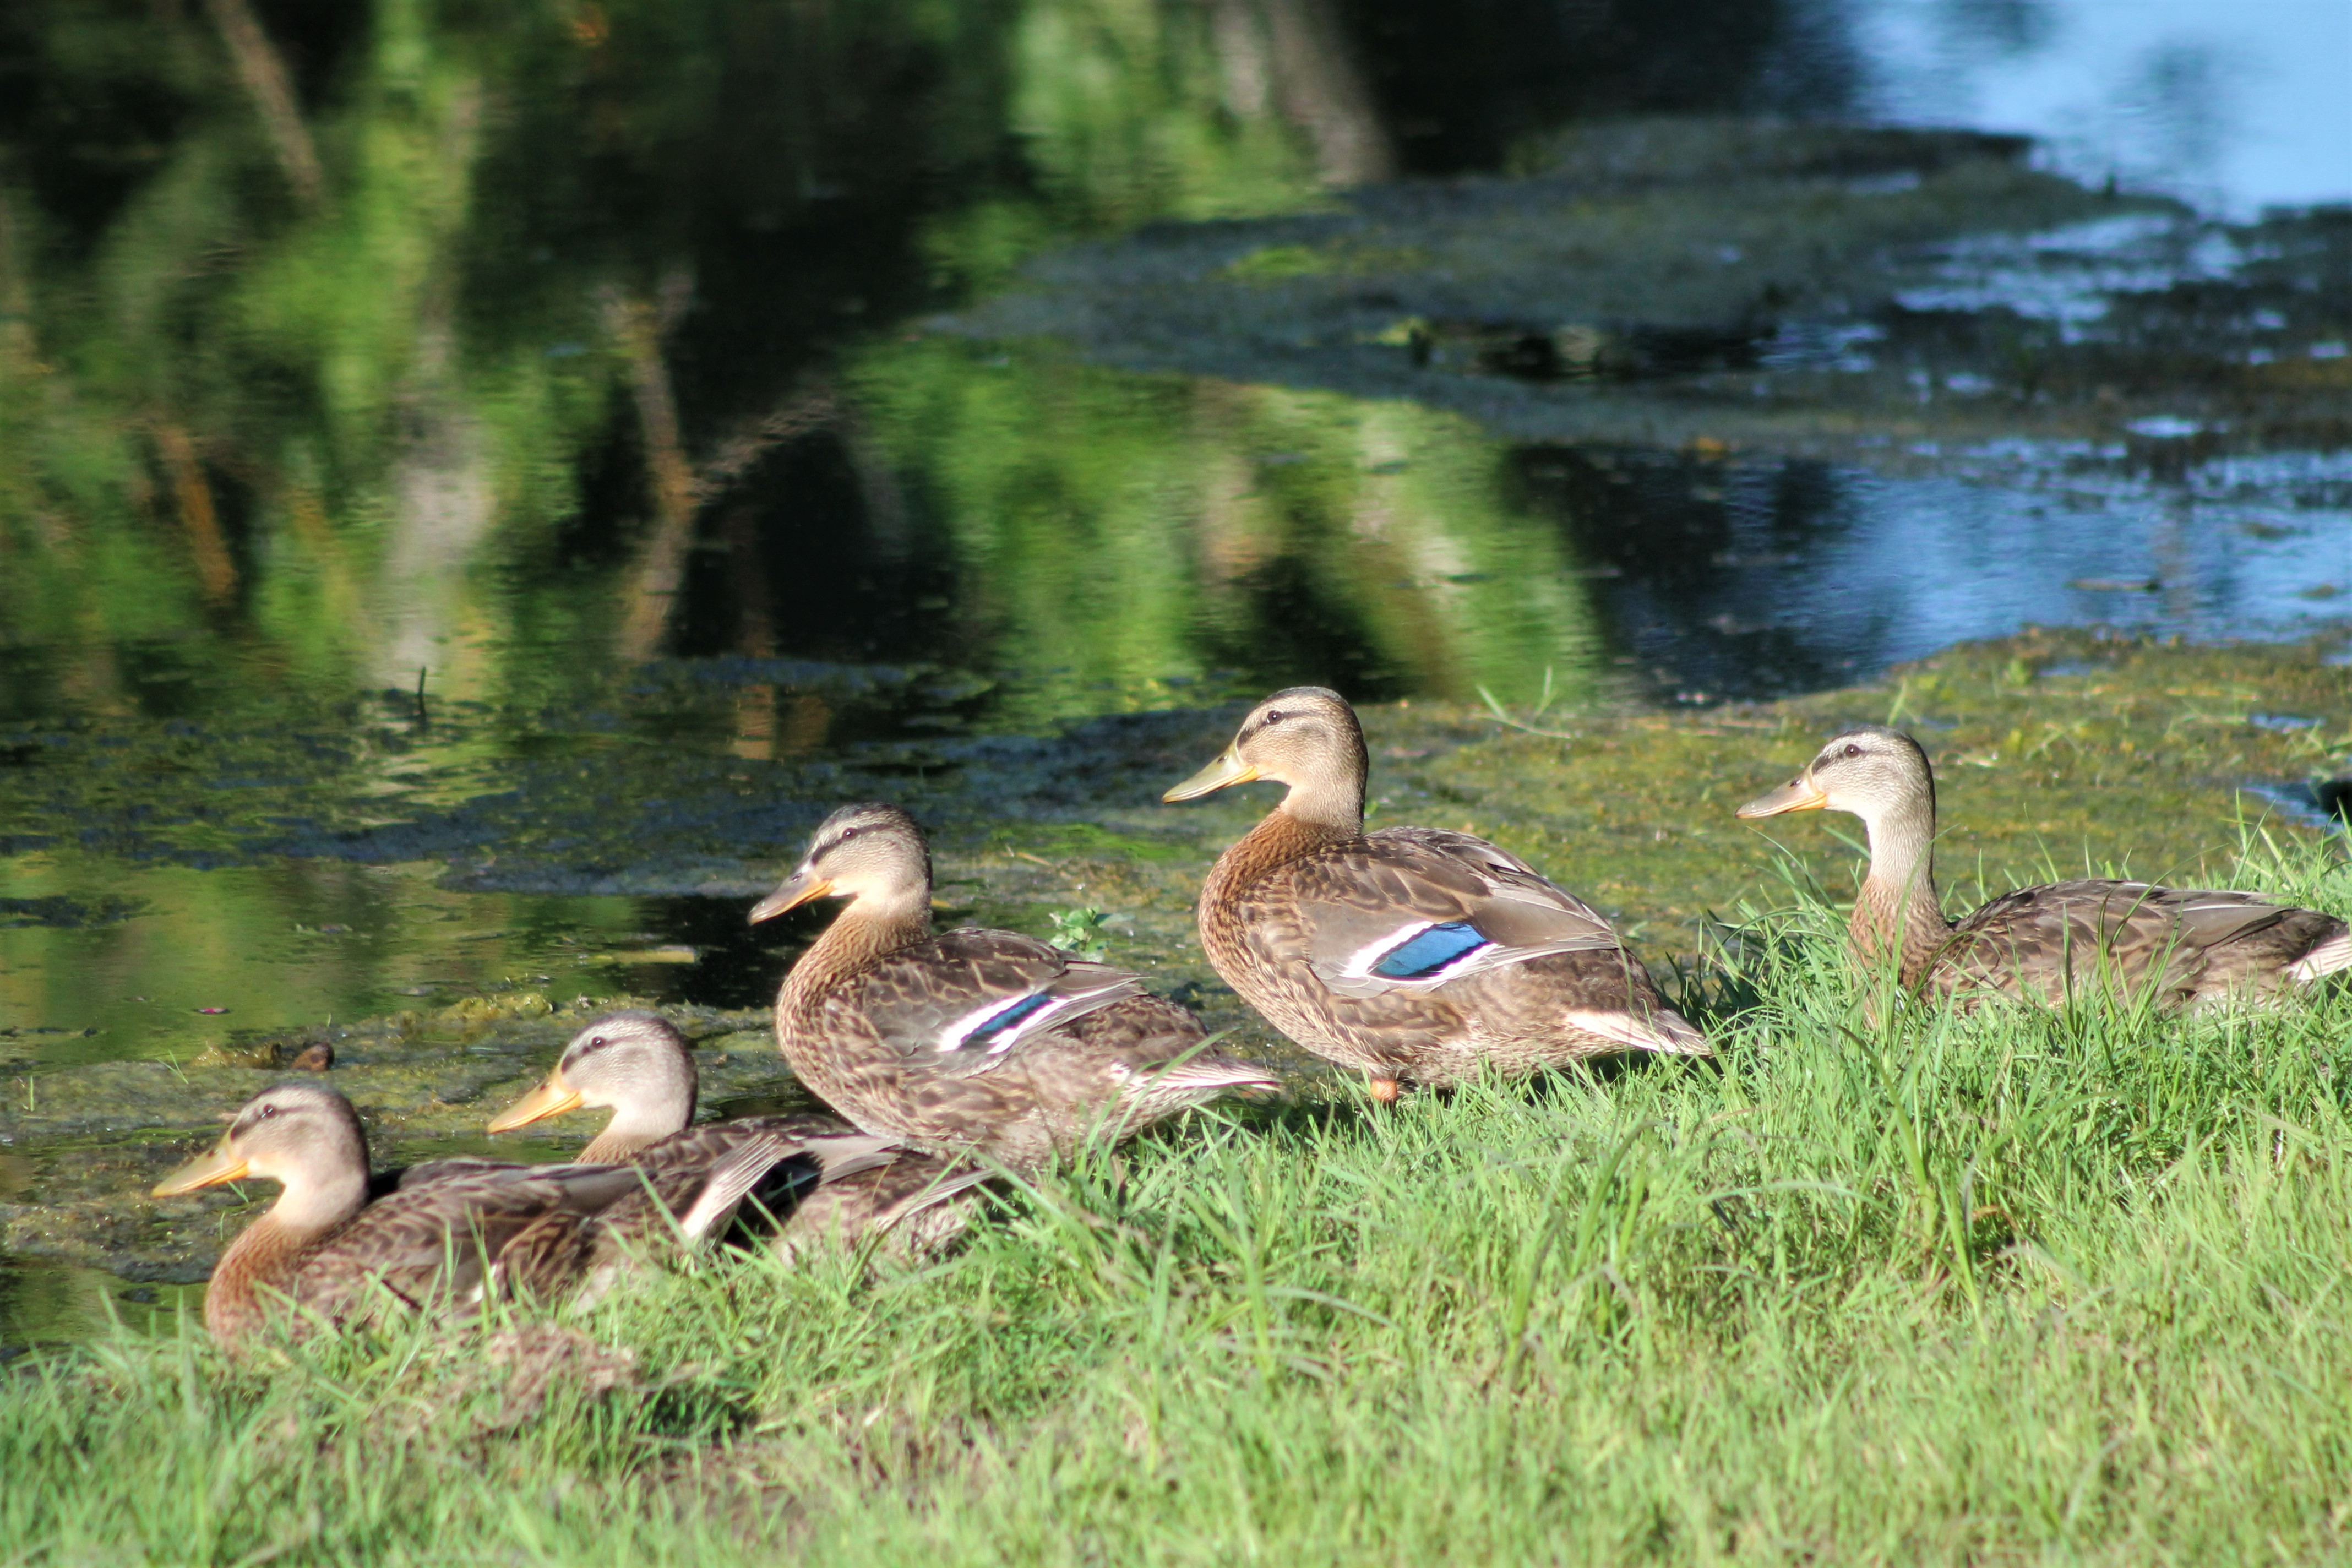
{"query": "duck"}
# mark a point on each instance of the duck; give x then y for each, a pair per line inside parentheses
(1411, 954)
(971, 1041)
(444, 1245)
(2181, 947)
(637, 1065)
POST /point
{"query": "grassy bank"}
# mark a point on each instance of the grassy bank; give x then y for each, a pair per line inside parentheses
(2017, 1287)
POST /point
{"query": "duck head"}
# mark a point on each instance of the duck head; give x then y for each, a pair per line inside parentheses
(636, 1065)
(1306, 737)
(303, 1136)
(873, 854)
(1870, 771)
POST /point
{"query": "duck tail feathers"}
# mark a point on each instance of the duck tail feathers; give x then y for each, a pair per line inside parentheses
(729, 1182)
(2326, 959)
(1205, 1075)
(1200, 1077)
(1663, 1030)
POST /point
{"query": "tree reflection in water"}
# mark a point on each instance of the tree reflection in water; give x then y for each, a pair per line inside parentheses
(511, 345)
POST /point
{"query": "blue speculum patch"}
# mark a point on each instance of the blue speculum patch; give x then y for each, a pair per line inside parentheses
(1010, 1017)
(1431, 950)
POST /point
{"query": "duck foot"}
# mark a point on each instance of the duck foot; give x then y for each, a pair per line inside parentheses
(1385, 1091)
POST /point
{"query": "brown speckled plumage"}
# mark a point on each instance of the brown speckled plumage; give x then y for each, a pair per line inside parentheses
(978, 1041)
(1301, 915)
(2173, 946)
(912, 1208)
(829, 1177)
(444, 1244)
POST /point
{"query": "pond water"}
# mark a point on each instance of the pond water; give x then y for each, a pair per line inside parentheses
(475, 486)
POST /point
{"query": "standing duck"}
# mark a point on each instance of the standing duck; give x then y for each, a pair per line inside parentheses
(2185, 947)
(442, 1245)
(639, 1066)
(978, 1041)
(1415, 954)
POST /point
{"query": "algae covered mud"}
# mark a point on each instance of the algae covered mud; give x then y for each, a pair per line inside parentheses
(471, 506)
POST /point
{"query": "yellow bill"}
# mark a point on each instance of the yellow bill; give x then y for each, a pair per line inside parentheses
(552, 1098)
(221, 1164)
(1227, 769)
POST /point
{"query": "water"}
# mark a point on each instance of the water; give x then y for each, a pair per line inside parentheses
(2233, 106)
(1729, 580)
(462, 521)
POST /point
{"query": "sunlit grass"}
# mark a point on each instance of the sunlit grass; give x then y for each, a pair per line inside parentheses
(2021, 1286)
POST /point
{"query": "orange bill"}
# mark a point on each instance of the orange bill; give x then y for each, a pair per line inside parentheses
(1799, 793)
(221, 1164)
(552, 1098)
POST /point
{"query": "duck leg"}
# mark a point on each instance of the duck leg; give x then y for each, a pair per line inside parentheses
(1385, 1091)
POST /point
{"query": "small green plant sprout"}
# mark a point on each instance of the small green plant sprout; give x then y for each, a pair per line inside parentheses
(1082, 931)
(1502, 715)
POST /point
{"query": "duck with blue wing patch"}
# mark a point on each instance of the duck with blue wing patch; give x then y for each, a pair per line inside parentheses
(970, 1040)
(1415, 954)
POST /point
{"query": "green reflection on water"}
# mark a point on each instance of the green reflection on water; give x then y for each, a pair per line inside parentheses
(47, 1302)
(280, 947)
(1116, 530)
(443, 371)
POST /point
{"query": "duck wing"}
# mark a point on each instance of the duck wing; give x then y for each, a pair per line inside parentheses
(1410, 909)
(699, 1176)
(450, 1243)
(917, 1202)
(398, 1178)
(2042, 938)
(834, 1148)
(965, 1000)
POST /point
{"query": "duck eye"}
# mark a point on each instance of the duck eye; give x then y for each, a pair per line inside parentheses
(1852, 751)
(1276, 717)
(266, 1111)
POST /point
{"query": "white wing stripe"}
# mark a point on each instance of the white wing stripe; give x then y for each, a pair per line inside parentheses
(953, 1038)
(1360, 962)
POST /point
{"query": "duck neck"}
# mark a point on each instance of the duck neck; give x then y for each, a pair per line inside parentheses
(266, 1258)
(1331, 805)
(638, 1124)
(1284, 836)
(867, 928)
(1898, 915)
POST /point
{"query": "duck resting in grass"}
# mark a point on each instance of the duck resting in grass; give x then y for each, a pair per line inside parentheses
(1413, 954)
(2179, 947)
(448, 1241)
(638, 1065)
(983, 1042)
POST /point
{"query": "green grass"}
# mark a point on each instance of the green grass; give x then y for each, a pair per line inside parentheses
(2020, 1287)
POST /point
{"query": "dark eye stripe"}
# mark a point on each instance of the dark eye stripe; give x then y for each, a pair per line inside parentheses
(826, 847)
